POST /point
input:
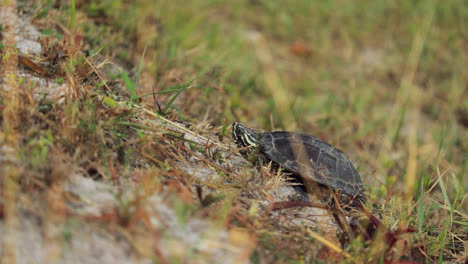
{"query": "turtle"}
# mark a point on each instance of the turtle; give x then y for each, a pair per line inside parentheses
(315, 161)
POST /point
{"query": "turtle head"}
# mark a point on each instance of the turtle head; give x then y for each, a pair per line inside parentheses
(244, 136)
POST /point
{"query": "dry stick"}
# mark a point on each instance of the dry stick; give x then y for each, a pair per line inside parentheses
(182, 128)
(9, 149)
(337, 211)
(98, 74)
(327, 243)
(292, 204)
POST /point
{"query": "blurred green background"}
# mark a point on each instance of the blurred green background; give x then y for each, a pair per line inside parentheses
(383, 80)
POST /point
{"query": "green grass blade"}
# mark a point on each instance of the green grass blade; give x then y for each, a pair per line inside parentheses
(140, 66)
(444, 193)
(462, 223)
(441, 145)
(131, 87)
(171, 101)
(224, 130)
(72, 14)
(135, 125)
(421, 205)
(170, 90)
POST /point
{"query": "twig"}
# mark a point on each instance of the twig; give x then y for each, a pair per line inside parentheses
(327, 243)
(182, 128)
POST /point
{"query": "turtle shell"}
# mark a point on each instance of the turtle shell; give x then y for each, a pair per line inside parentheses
(313, 159)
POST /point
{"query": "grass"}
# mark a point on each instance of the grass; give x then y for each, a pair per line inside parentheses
(384, 81)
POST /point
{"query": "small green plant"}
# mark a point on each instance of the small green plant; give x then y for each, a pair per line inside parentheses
(181, 88)
(132, 86)
(37, 149)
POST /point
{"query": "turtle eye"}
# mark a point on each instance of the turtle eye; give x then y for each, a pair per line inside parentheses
(239, 131)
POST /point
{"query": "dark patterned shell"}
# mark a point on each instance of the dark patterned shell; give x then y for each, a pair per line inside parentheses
(313, 159)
